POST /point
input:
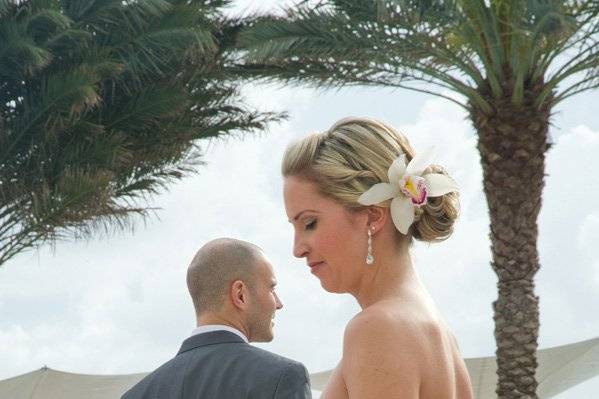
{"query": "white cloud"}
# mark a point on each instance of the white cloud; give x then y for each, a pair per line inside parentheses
(589, 231)
(244, 7)
(566, 282)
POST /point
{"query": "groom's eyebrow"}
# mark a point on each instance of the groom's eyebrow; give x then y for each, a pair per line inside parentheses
(300, 214)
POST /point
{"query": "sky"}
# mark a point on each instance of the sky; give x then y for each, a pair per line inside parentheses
(119, 303)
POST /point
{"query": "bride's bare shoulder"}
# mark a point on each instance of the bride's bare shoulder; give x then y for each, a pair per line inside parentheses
(389, 330)
(405, 321)
(371, 326)
(407, 351)
(377, 361)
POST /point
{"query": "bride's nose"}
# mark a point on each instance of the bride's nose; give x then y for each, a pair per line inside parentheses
(300, 249)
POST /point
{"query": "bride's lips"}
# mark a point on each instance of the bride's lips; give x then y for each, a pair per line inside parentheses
(315, 267)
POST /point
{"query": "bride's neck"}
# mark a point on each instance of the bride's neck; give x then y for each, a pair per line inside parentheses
(392, 277)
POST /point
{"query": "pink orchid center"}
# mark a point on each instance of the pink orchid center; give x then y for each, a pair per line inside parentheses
(415, 188)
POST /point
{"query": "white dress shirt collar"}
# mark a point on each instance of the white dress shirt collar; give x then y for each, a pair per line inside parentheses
(218, 327)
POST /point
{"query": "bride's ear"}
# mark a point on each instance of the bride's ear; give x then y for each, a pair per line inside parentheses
(377, 217)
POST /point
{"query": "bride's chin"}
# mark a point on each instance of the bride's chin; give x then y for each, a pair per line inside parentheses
(324, 286)
(329, 288)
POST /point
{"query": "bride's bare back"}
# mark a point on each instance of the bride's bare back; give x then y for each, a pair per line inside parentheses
(395, 349)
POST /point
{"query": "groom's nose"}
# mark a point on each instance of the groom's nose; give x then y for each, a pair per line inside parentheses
(278, 302)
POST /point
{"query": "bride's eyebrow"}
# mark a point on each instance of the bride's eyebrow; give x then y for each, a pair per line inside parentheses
(300, 213)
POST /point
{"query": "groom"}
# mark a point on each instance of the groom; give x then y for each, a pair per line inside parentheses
(231, 283)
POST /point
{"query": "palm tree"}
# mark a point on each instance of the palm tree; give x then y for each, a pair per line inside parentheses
(102, 104)
(511, 60)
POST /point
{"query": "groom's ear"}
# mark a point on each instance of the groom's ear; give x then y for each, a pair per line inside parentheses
(238, 294)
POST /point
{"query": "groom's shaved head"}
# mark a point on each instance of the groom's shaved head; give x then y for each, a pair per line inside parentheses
(215, 266)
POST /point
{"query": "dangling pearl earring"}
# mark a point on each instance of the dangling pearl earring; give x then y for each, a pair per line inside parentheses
(369, 256)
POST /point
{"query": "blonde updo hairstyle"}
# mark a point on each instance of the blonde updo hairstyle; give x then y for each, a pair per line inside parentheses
(355, 154)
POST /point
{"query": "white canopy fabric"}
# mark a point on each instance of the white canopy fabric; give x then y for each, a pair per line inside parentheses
(560, 368)
(51, 384)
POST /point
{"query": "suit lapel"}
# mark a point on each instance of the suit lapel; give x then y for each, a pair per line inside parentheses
(210, 338)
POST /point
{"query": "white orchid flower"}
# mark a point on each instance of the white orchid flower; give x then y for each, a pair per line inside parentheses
(408, 188)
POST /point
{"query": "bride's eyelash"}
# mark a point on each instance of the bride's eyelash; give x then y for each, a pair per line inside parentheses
(311, 225)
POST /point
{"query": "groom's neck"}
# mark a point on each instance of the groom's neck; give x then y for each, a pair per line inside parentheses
(220, 319)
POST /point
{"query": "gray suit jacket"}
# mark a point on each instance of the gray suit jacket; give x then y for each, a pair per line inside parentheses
(221, 365)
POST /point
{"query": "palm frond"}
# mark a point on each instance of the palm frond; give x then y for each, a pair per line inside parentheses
(481, 50)
(102, 104)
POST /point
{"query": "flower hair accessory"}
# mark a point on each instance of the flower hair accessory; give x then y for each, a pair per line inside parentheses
(408, 188)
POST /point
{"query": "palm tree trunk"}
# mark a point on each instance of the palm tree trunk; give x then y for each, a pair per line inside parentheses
(512, 144)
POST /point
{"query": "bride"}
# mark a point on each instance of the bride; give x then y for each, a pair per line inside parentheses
(357, 195)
